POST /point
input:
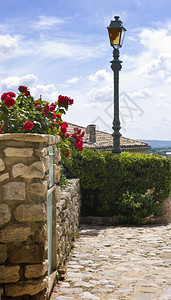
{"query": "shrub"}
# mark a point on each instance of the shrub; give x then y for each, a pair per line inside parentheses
(22, 114)
(116, 184)
(89, 166)
(138, 208)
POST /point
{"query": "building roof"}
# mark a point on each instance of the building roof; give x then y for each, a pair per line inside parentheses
(104, 141)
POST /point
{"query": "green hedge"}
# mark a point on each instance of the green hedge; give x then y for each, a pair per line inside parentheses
(105, 177)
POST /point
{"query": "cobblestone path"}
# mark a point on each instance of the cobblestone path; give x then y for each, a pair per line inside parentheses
(118, 263)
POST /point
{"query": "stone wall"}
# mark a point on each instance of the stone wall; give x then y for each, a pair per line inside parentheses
(68, 211)
(24, 183)
(167, 203)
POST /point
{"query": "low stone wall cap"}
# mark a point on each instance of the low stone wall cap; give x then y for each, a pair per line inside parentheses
(31, 137)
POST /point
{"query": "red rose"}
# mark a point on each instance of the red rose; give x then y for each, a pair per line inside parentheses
(67, 153)
(61, 134)
(81, 147)
(28, 125)
(65, 101)
(82, 134)
(56, 116)
(3, 96)
(75, 136)
(1, 128)
(64, 127)
(27, 93)
(46, 109)
(70, 101)
(9, 94)
(61, 100)
(52, 106)
(9, 101)
(22, 88)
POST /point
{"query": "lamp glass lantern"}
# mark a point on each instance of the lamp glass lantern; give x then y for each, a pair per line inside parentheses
(116, 33)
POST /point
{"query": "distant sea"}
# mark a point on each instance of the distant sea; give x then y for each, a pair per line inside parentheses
(157, 144)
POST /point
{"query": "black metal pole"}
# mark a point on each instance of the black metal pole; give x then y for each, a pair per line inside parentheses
(116, 67)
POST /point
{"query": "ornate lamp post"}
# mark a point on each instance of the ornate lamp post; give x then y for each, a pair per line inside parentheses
(116, 36)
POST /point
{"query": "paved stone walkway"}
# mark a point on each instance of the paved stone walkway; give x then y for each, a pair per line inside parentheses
(119, 263)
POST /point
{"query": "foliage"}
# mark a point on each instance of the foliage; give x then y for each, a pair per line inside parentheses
(138, 208)
(23, 114)
(117, 184)
(160, 151)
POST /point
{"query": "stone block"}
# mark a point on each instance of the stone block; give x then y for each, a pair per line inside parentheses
(33, 254)
(46, 161)
(53, 140)
(43, 295)
(35, 170)
(18, 152)
(3, 253)
(1, 290)
(37, 190)
(28, 137)
(19, 170)
(5, 214)
(57, 173)
(9, 274)
(14, 191)
(14, 233)
(41, 152)
(57, 193)
(30, 213)
(4, 177)
(57, 155)
(40, 234)
(2, 165)
(30, 287)
(167, 204)
(36, 270)
(47, 179)
(66, 195)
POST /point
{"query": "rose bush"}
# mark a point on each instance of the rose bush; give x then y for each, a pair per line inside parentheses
(21, 113)
(137, 208)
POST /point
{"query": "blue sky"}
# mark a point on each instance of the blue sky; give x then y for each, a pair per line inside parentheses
(62, 47)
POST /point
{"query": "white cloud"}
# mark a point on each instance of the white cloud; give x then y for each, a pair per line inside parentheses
(161, 95)
(101, 75)
(163, 105)
(168, 80)
(48, 92)
(73, 49)
(13, 82)
(101, 94)
(142, 93)
(166, 121)
(155, 66)
(158, 66)
(8, 44)
(156, 40)
(48, 47)
(92, 105)
(72, 80)
(45, 22)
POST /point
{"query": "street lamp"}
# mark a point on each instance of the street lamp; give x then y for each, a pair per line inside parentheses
(116, 35)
